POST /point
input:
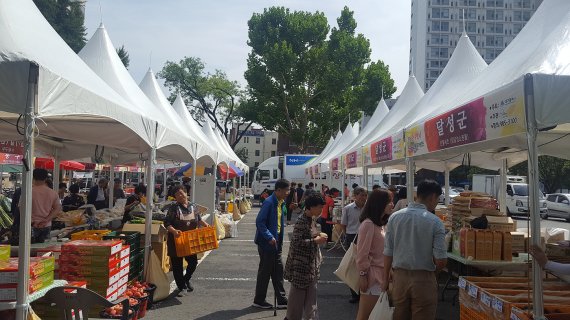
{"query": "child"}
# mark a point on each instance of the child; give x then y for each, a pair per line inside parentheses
(304, 260)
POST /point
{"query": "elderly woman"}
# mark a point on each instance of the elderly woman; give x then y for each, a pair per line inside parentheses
(182, 216)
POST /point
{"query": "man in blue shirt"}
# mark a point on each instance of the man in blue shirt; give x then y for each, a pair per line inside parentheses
(270, 223)
(414, 248)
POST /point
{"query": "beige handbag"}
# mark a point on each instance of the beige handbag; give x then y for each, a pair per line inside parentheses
(382, 309)
(347, 271)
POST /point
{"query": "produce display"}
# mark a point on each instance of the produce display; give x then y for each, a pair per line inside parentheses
(4, 253)
(5, 219)
(41, 276)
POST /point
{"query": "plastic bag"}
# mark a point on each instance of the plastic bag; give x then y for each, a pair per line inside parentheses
(236, 215)
(220, 229)
(242, 207)
(382, 309)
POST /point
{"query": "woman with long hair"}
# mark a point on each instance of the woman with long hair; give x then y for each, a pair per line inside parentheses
(370, 246)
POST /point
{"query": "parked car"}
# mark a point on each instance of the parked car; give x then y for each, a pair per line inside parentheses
(452, 194)
(558, 205)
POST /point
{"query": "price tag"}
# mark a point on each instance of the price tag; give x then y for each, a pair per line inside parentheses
(485, 299)
(497, 304)
(472, 291)
(461, 283)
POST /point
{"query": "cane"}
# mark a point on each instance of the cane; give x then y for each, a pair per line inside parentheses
(275, 291)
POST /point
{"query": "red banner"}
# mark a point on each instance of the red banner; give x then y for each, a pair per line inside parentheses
(460, 126)
(334, 164)
(352, 160)
(381, 150)
(12, 147)
(6, 158)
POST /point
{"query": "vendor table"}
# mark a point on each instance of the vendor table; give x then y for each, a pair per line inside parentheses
(458, 266)
(34, 296)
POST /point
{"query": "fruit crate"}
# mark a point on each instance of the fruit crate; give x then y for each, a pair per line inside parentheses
(132, 238)
(90, 235)
(466, 313)
(196, 241)
(137, 258)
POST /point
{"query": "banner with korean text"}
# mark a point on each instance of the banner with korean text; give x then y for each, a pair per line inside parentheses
(351, 160)
(496, 115)
(386, 149)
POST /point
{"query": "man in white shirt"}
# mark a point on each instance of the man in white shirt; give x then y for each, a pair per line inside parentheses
(350, 222)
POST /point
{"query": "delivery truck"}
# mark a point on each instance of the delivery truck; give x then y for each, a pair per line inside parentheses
(289, 166)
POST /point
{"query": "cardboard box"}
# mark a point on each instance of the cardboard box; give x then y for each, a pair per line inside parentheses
(93, 247)
(557, 250)
(38, 266)
(468, 243)
(477, 212)
(483, 245)
(125, 252)
(90, 271)
(158, 231)
(497, 245)
(71, 259)
(94, 280)
(518, 244)
(507, 247)
(8, 291)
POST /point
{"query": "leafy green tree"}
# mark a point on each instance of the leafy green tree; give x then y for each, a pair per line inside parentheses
(124, 55)
(242, 154)
(305, 79)
(210, 96)
(67, 18)
(553, 172)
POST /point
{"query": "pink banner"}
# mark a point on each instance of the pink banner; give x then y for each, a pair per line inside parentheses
(352, 160)
(334, 164)
(6, 158)
(12, 147)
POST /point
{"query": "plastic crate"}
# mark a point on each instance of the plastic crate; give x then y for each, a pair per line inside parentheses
(137, 258)
(196, 241)
(90, 235)
(132, 238)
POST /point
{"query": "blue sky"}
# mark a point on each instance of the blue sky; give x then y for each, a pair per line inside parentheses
(154, 31)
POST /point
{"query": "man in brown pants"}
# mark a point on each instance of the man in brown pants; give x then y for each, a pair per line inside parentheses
(415, 248)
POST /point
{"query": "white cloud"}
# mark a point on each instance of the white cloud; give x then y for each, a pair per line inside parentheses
(216, 31)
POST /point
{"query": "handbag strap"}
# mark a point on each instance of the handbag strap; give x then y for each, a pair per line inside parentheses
(354, 240)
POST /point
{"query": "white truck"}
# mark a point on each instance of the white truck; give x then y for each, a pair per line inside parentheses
(517, 192)
(289, 166)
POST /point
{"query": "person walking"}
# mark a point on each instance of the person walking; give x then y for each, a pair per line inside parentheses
(350, 222)
(414, 248)
(304, 261)
(292, 202)
(402, 200)
(270, 223)
(369, 250)
(183, 216)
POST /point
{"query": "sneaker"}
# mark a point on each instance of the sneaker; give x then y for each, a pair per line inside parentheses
(262, 305)
(189, 286)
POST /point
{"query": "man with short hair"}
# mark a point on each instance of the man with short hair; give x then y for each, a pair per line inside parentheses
(45, 206)
(118, 192)
(414, 248)
(350, 222)
(270, 223)
(98, 195)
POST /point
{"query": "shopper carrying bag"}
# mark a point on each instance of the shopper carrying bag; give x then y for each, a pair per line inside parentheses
(347, 271)
(382, 309)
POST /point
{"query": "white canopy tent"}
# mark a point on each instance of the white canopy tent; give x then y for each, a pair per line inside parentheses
(517, 106)
(61, 99)
(356, 145)
(350, 132)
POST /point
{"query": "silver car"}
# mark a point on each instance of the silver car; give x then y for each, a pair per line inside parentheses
(558, 206)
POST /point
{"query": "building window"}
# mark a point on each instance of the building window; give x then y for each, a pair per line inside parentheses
(256, 164)
(517, 16)
(257, 140)
(273, 153)
(440, 26)
(471, 27)
(245, 139)
(257, 153)
(517, 27)
(273, 141)
(440, 13)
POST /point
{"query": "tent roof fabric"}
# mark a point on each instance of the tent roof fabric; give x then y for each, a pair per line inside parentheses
(68, 90)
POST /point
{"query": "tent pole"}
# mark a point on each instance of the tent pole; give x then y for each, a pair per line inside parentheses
(533, 181)
(214, 174)
(194, 163)
(447, 195)
(503, 189)
(410, 172)
(149, 204)
(164, 185)
(342, 182)
(26, 214)
(111, 182)
(56, 169)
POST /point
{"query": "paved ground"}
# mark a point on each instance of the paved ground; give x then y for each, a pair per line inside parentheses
(225, 283)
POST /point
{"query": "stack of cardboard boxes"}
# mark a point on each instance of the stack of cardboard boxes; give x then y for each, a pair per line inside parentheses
(485, 245)
(41, 276)
(104, 265)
